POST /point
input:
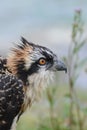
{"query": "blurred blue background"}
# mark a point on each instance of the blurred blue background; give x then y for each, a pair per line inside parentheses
(45, 22)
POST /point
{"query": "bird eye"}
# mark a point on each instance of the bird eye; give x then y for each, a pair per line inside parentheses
(42, 61)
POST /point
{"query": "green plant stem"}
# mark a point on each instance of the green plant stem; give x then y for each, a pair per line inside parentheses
(78, 111)
(73, 54)
(51, 118)
(71, 104)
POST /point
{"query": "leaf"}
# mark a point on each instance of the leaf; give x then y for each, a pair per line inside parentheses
(82, 63)
(85, 110)
(67, 95)
(43, 127)
(76, 49)
(76, 77)
(50, 97)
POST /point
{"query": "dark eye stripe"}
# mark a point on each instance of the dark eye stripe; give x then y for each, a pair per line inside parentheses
(33, 68)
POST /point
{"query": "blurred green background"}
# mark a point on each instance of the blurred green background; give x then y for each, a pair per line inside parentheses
(56, 24)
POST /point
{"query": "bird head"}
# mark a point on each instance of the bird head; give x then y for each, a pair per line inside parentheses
(33, 63)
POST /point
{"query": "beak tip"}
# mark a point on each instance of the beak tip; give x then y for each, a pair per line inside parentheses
(61, 67)
(65, 70)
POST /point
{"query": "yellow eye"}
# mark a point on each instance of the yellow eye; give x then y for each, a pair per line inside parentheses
(42, 61)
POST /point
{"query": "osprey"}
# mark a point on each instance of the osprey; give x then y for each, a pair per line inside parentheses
(23, 76)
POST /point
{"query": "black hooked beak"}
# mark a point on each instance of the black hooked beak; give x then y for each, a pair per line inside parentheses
(59, 66)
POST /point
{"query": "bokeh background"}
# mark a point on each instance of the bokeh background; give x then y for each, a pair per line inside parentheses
(49, 23)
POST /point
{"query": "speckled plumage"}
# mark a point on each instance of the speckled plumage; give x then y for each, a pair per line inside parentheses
(11, 96)
(22, 79)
